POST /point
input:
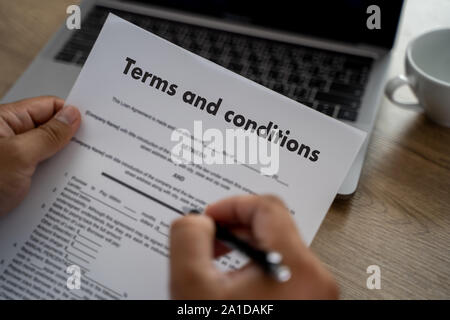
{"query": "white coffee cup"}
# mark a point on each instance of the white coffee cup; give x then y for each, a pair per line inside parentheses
(427, 72)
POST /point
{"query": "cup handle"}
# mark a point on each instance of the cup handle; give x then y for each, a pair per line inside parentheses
(393, 85)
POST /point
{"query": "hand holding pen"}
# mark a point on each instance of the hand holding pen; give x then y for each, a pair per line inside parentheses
(270, 261)
(265, 224)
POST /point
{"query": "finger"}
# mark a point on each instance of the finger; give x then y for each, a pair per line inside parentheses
(21, 116)
(249, 210)
(240, 210)
(44, 141)
(220, 248)
(269, 221)
(191, 248)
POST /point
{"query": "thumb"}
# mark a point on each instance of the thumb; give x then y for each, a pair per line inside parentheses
(191, 249)
(44, 141)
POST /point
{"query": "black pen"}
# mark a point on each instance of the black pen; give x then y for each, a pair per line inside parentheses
(270, 262)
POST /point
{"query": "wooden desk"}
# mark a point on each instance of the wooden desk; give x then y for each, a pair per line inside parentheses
(399, 219)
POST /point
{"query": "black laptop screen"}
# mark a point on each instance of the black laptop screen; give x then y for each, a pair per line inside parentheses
(342, 20)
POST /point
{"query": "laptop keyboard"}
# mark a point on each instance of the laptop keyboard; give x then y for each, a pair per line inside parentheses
(330, 82)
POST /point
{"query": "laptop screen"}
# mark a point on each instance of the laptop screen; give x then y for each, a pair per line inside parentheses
(341, 20)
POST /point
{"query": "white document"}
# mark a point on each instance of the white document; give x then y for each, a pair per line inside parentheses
(105, 203)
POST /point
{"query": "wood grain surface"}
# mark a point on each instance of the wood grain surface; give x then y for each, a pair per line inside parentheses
(399, 218)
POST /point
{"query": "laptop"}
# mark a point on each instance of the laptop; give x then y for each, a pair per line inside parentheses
(320, 53)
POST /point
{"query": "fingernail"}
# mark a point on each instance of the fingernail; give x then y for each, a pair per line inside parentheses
(68, 115)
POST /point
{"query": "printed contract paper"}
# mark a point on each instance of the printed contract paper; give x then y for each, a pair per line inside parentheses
(105, 203)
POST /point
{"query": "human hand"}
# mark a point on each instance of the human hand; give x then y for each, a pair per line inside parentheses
(265, 222)
(31, 130)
